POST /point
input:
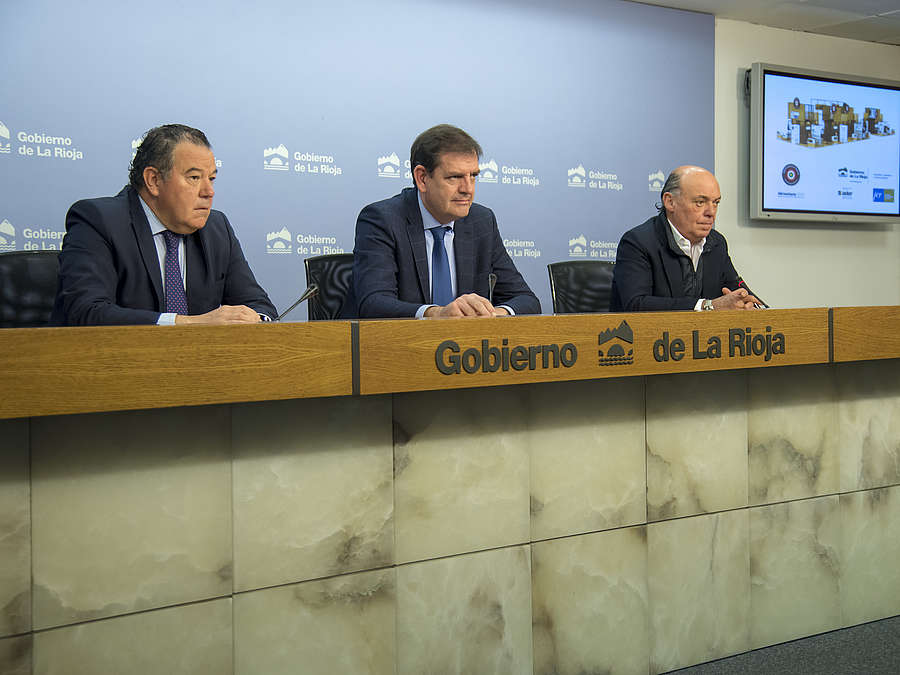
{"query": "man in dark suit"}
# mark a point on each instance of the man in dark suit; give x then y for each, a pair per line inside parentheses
(675, 260)
(430, 251)
(157, 253)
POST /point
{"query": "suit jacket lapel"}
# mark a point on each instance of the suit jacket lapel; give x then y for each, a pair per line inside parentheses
(146, 246)
(416, 233)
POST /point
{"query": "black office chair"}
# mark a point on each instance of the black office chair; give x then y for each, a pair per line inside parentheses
(27, 287)
(331, 275)
(581, 286)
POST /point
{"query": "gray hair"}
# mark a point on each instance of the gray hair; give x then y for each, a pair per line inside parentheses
(673, 185)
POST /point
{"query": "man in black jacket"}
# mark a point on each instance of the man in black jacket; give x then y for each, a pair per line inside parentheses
(675, 260)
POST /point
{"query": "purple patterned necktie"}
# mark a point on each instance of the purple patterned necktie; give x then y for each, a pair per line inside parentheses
(176, 300)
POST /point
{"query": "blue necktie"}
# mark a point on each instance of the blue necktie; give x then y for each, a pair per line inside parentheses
(176, 300)
(441, 289)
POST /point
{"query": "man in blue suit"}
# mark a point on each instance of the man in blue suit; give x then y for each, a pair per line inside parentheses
(157, 253)
(430, 251)
(676, 260)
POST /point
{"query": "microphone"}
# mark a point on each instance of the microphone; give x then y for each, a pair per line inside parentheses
(311, 290)
(743, 284)
(492, 281)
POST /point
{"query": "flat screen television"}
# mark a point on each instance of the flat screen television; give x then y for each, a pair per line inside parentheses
(823, 146)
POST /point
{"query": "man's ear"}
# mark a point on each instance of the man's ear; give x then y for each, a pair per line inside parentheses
(668, 201)
(152, 180)
(419, 174)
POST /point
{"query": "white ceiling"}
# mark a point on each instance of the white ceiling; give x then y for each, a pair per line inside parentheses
(872, 20)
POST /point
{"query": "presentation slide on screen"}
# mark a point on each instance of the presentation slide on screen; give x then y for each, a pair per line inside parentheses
(830, 147)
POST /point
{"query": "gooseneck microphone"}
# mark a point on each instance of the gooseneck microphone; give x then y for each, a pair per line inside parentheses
(492, 281)
(311, 290)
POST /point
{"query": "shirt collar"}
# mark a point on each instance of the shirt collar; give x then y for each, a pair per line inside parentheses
(155, 226)
(683, 242)
(429, 220)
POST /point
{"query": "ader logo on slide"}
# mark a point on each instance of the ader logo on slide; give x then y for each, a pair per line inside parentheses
(790, 174)
(882, 195)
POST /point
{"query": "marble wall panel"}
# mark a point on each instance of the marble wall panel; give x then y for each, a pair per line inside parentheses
(870, 555)
(313, 489)
(466, 614)
(793, 433)
(15, 528)
(461, 471)
(588, 469)
(340, 625)
(869, 420)
(15, 655)
(795, 570)
(130, 511)
(589, 598)
(699, 589)
(696, 443)
(187, 640)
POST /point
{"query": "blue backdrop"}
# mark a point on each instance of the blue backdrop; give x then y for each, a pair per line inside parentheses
(581, 107)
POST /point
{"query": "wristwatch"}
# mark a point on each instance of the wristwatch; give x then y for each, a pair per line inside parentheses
(707, 306)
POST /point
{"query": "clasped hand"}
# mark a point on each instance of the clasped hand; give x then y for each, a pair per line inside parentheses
(737, 299)
(221, 315)
(470, 304)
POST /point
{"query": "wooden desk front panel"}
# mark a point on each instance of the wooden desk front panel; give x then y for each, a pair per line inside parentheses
(50, 371)
(410, 355)
(865, 333)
